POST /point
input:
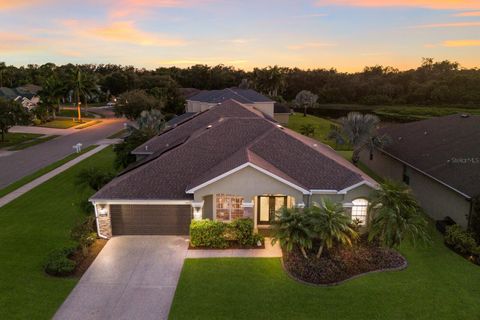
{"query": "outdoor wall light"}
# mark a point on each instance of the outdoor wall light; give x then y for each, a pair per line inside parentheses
(103, 211)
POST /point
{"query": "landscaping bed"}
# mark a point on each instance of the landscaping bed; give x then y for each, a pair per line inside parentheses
(341, 263)
(83, 262)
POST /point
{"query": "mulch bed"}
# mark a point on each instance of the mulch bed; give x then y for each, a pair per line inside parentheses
(84, 262)
(340, 264)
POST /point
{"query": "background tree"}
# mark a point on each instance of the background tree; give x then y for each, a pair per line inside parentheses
(360, 131)
(131, 104)
(82, 86)
(52, 92)
(396, 215)
(305, 99)
(307, 129)
(11, 113)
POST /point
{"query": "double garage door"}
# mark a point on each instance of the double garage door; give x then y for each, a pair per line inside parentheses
(150, 219)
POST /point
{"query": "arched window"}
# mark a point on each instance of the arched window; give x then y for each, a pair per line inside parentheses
(359, 210)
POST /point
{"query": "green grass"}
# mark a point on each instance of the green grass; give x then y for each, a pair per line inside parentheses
(60, 124)
(89, 124)
(30, 227)
(322, 127)
(419, 113)
(119, 134)
(71, 113)
(23, 181)
(438, 284)
(14, 138)
(33, 142)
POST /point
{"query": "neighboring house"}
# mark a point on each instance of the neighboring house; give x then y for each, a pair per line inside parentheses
(27, 95)
(439, 159)
(281, 113)
(227, 162)
(207, 99)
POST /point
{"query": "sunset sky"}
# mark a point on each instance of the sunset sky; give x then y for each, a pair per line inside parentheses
(345, 34)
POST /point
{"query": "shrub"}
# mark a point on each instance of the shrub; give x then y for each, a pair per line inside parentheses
(460, 240)
(84, 234)
(242, 230)
(58, 262)
(208, 233)
(94, 177)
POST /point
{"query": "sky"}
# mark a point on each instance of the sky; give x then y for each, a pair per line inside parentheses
(342, 34)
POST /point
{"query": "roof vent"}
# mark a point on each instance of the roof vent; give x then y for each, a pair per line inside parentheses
(146, 148)
(465, 115)
(315, 145)
(425, 132)
(209, 126)
(400, 138)
(279, 126)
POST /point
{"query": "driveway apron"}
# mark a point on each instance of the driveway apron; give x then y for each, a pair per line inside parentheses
(133, 277)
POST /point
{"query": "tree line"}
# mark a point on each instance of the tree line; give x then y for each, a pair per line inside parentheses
(432, 83)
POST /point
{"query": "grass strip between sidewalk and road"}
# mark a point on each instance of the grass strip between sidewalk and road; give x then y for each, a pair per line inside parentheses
(88, 124)
(23, 181)
(34, 142)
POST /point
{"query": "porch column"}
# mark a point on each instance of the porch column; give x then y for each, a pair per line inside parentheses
(197, 210)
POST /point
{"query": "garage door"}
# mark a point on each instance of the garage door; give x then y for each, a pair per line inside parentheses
(150, 219)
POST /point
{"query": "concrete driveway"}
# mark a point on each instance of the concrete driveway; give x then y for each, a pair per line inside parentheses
(133, 277)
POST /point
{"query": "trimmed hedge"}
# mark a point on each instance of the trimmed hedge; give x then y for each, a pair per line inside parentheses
(58, 262)
(217, 234)
(208, 233)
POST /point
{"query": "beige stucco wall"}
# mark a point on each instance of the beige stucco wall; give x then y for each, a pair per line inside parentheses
(197, 106)
(281, 118)
(437, 200)
(265, 107)
(362, 191)
(248, 182)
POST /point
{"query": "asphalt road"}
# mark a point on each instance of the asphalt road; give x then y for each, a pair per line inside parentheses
(24, 162)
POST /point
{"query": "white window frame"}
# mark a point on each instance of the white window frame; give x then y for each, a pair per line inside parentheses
(230, 209)
(356, 215)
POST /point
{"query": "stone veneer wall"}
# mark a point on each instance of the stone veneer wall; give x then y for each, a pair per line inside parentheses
(104, 226)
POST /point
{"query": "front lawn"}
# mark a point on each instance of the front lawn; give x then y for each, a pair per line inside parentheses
(30, 227)
(61, 123)
(438, 284)
(13, 138)
(322, 128)
(32, 143)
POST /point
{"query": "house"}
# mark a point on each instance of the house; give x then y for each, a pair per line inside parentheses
(439, 159)
(207, 99)
(226, 162)
(27, 95)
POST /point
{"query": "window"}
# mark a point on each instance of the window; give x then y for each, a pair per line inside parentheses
(359, 211)
(228, 207)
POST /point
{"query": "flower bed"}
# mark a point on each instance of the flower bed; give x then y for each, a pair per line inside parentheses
(341, 263)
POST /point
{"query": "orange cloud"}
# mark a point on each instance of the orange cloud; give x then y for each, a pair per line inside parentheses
(432, 4)
(468, 14)
(461, 43)
(121, 31)
(15, 4)
(450, 25)
(11, 42)
(123, 8)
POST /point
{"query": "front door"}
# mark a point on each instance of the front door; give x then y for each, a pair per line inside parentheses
(268, 206)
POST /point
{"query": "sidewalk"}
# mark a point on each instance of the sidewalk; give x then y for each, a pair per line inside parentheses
(29, 186)
(269, 252)
(42, 130)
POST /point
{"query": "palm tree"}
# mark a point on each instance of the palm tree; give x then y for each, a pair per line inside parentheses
(360, 131)
(82, 86)
(331, 224)
(52, 91)
(151, 122)
(396, 215)
(292, 229)
(305, 99)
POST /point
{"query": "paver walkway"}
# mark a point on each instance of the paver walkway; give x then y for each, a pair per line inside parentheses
(133, 277)
(29, 186)
(269, 252)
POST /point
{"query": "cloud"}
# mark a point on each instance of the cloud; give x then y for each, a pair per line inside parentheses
(309, 45)
(121, 31)
(430, 4)
(12, 42)
(468, 14)
(124, 8)
(461, 43)
(449, 25)
(15, 4)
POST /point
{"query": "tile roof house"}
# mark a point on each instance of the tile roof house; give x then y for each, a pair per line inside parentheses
(27, 95)
(226, 162)
(207, 99)
(439, 158)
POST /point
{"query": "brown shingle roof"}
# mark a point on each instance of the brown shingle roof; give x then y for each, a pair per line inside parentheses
(219, 140)
(446, 148)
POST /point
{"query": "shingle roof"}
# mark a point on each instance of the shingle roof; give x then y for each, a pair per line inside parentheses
(281, 108)
(181, 118)
(240, 95)
(446, 148)
(219, 140)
